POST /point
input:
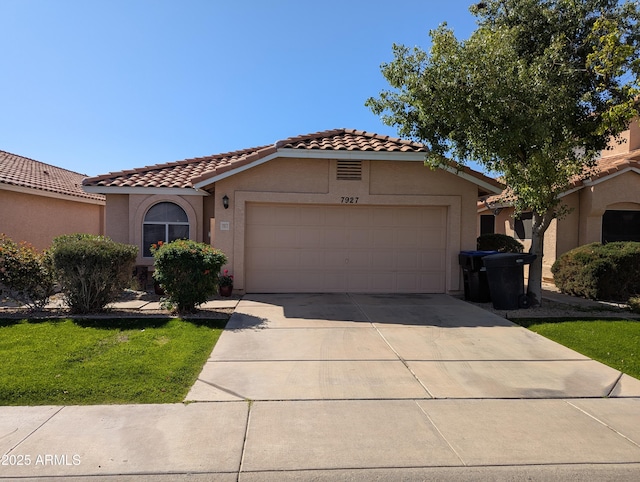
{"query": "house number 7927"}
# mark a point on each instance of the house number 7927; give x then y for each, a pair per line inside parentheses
(348, 200)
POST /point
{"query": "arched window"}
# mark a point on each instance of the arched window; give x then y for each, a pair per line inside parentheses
(164, 222)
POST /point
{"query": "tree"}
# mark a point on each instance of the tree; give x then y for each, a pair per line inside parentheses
(534, 94)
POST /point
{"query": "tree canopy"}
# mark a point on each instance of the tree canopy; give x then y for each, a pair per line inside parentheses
(534, 94)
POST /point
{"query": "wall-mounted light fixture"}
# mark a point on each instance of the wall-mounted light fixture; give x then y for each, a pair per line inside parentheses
(492, 207)
(225, 201)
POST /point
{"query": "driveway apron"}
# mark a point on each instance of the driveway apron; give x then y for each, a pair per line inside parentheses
(392, 347)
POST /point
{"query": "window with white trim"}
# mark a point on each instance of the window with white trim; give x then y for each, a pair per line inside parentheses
(164, 222)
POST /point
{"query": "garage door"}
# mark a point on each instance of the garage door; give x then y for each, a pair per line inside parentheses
(367, 249)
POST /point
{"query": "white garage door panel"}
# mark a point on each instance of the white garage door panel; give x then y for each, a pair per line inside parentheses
(300, 248)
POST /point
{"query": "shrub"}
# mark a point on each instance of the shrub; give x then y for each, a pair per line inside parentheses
(92, 270)
(26, 275)
(634, 304)
(499, 242)
(600, 271)
(187, 271)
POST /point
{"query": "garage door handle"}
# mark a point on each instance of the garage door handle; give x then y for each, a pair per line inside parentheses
(346, 261)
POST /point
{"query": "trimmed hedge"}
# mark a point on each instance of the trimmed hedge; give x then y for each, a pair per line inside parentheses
(600, 271)
(499, 242)
(92, 270)
(187, 271)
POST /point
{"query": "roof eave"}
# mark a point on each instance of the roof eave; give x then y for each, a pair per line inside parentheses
(51, 194)
(611, 175)
(181, 191)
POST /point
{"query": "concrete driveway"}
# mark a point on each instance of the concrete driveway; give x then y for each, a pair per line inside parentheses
(391, 347)
(424, 387)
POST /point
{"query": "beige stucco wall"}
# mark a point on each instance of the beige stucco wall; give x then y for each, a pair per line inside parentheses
(597, 198)
(38, 219)
(314, 181)
(630, 140)
(117, 217)
(562, 234)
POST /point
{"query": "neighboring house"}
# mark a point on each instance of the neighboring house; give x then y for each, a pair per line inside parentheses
(335, 211)
(604, 208)
(39, 202)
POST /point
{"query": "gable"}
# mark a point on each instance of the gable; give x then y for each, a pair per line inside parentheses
(194, 176)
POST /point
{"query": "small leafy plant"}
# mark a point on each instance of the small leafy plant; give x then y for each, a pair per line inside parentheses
(92, 270)
(26, 275)
(187, 271)
(225, 279)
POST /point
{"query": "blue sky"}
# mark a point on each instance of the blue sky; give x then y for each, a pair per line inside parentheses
(104, 85)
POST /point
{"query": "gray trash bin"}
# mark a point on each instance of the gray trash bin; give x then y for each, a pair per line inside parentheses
(505, 274)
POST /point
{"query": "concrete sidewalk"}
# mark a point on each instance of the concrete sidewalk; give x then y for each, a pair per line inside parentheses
(354, 387)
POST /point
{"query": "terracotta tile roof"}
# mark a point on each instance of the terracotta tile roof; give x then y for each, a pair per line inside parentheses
(608, 165)
(350, 140)
(187, 173)
(605, 166)
(27, 173)
(171, 175)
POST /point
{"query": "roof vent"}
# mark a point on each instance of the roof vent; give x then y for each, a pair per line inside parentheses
(349, 171)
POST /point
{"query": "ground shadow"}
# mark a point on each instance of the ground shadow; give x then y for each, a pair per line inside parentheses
(528, 322)
(120, 323)
(244, 321)
(437, 310)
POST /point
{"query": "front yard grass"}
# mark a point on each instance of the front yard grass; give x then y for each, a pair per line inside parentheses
(84, 362)
(615, 343)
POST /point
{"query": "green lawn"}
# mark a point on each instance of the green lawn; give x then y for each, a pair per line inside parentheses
(613, 342)
(75, 362)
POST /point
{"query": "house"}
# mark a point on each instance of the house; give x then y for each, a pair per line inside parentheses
(603, 208)
(335, 211)
(39, 202)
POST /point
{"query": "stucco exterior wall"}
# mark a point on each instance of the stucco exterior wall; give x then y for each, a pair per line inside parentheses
(630, 140)
(38, 219)
(568, 234)
(562, 234)
(117, 217)
(208, 214)
(414, 178)
(597, 198)
(313, 181)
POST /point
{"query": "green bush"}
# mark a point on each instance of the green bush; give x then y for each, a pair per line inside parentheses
(499, 242)
(26, 275)
(92, 270)
(600, 271)
(634, 304)
(187, 271)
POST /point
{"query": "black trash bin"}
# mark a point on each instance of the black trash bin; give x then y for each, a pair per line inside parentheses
(476, 287)
(505, 274)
